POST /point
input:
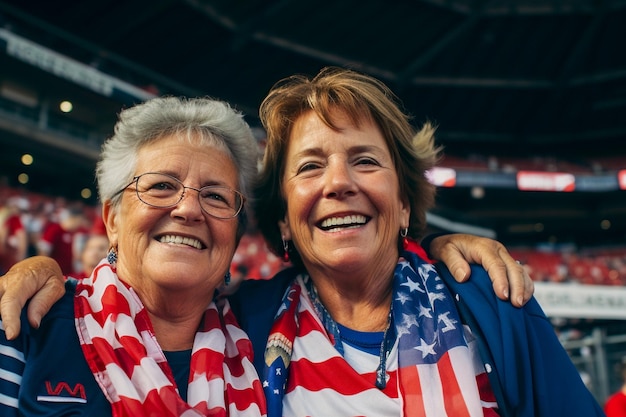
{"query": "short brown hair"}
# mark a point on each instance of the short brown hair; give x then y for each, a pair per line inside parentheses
(360, 97)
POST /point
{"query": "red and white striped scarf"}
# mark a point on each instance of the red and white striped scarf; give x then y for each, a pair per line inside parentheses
(434, 368)
(121, 349)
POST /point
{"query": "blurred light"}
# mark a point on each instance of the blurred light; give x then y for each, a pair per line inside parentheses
(605, 224)
(66, 106)
(23, 178)
(27, 159)
(478, 192)
(538, 227)
(522, 228)
(85, 193)
(19, 94)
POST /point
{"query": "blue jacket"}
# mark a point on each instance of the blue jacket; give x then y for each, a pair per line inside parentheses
(529, 371)
(531, 374)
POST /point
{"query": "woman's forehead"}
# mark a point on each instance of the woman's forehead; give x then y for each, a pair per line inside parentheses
(176, 156)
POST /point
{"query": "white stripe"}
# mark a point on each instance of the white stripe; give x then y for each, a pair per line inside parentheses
(190, 413)
(312, 347)
(466, 376)
(252, 411)
(10, 376)
(8, 401)
(242, 382)
(236, 333)
(140, 378)
(115, 327)
(50, 399)
(213, 339)
(364, 362)
(149, 341)
(327, 402)
(146, 376)
(430, 384)
(489, 404)
(201, 391)
(12, 353)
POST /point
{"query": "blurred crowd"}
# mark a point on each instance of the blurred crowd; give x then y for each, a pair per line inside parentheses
(73, 234)
(32, 224)
(597, 266)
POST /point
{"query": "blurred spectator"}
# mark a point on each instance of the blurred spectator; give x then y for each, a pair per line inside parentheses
(93, 251)
(61, 240)
(253, 257)
(13, 237)
(615, 405)
(39, 218)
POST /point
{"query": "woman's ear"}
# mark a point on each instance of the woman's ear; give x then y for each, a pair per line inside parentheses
(285, 230)
(405, 213)
(109, 216)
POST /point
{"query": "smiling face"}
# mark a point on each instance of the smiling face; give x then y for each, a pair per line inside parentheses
(179, 248)
(344, 210)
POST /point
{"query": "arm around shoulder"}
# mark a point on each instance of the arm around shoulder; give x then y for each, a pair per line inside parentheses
(38, 277)
(528, 366)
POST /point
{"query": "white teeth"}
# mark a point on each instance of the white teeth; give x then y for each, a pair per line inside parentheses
(179, 240)
(344, 221)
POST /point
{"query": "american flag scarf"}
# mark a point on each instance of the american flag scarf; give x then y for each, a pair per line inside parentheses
(431, 371)
(121, 349)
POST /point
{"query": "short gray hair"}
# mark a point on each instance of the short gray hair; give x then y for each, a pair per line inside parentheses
(212, 121)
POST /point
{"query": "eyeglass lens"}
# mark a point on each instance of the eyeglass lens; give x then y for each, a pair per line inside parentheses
(160, 190)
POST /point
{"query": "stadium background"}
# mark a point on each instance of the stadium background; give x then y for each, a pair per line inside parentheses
(529, 97)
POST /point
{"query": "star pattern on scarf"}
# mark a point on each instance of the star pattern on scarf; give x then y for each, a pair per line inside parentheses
(426, 348)
(428, 323)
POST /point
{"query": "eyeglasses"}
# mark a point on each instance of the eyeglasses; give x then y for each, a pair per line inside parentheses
(163, 191)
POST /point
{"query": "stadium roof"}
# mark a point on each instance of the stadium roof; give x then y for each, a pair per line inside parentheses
(536, 80)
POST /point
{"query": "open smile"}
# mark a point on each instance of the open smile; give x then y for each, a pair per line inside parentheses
(181, 240)
(335, 224)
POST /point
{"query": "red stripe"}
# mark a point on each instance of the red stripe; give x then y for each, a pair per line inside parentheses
(242, 399)
(334, 373)
(411, 389)
(453, 399)
(484, 388)
(244, 348)
(308, 324)
(208, 361)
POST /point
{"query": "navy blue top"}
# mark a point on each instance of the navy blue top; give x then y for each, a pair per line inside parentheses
(58, 381)
(529, 371)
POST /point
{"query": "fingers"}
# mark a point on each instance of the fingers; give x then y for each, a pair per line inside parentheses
(510, 279)
(10, 309)
(43, 300)
(521, 285)
(446, 248)
(22, 281)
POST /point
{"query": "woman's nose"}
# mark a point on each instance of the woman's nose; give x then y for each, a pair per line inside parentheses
(340, 180)
(189, 206)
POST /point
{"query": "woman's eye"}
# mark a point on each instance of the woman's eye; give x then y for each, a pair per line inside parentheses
(367, 161)
(163, 186)
(214, 196)
(308, 167)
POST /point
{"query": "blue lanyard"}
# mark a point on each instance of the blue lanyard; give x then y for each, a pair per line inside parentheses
(332, 328)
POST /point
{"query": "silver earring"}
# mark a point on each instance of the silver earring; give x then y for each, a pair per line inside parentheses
(286, 248)
(227, 278)
(404, 232)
